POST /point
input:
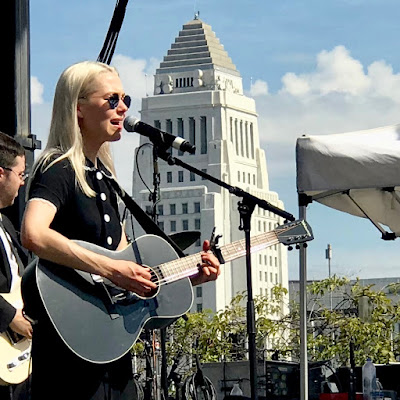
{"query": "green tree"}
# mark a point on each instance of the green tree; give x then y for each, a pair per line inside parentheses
(223, 335)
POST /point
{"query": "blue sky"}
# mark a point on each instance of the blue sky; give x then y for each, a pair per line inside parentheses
(313, 67)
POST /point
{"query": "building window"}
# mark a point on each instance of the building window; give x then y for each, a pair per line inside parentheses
(205, 171)
(241, 140)
(260, 259)
(270, 277)
(244, 177)
(192, 131)
(184, 208)
(197, 223)
(172, 209)
(254, 179)
(199, 307)
(231, 128)
(199, 291)
(236, 137)
(173, 226)
(251, 141)
(192, 176)
(238, 176)
(185, 225)
(203, 135)
(198, 242)
(168, 126)
(260, 291)
(157, 124)
(180, 132)
(160, 209)
(246, 138)
(169, 177)
(149, 210)
(196, 206)
(161, 225)
(260, 276)
(276, 278)
(180, 176)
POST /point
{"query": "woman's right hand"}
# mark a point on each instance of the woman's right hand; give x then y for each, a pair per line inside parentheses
(131, 276)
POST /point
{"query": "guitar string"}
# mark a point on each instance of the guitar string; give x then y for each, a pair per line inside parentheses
(180, 273)
(174, 269)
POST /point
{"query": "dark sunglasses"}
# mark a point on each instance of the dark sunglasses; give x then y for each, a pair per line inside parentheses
(114, 99)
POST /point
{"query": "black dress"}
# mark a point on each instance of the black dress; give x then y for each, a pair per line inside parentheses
(57, 372)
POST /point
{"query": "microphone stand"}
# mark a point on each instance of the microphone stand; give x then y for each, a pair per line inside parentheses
(154, 197)
(246, 207)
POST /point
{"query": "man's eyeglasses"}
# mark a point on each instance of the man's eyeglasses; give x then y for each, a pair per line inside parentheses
(22, 175)
(114, 99)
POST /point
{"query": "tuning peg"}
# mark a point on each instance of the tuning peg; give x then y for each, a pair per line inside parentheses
(290, 248)
(305, 245)
(297, 246)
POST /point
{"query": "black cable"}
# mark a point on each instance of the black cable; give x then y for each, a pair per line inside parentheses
(110, 42)
(137, 165)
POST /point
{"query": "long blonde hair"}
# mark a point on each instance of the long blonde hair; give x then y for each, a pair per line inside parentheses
(65, 138)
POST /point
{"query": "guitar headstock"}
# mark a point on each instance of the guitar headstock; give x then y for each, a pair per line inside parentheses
(294, 232)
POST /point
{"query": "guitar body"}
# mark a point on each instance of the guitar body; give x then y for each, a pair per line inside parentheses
(88, 323)
(15, 365)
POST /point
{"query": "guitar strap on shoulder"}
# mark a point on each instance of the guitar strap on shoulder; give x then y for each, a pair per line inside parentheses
(148, 225)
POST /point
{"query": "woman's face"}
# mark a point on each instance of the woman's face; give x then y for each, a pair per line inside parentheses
(98, 120)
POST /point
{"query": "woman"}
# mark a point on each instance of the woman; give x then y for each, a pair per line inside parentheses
(70, 197)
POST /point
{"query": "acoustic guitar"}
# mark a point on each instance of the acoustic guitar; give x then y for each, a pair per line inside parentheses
(100, 322)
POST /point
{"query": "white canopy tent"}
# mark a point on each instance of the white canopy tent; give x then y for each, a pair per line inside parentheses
(355, 172)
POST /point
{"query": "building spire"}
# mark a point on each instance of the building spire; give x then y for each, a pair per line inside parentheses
(196, 15)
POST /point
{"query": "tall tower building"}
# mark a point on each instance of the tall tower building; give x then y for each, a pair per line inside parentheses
(198, 95)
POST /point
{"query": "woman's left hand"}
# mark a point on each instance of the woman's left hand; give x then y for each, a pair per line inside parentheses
(209, 269)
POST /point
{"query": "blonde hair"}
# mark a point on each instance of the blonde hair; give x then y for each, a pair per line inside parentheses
(65, 138)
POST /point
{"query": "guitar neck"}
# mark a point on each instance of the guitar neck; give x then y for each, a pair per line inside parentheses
(189, 266)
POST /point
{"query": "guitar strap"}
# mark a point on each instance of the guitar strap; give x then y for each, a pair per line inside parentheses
(144, 220)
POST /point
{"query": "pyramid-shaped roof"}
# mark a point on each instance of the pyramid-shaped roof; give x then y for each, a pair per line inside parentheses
(196, 46)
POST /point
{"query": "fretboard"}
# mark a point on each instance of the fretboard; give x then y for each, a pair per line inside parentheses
(189, 266)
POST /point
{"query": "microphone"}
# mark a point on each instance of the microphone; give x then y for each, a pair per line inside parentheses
(157, 136)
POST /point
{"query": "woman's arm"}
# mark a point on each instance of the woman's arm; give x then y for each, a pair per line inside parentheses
(37, 236)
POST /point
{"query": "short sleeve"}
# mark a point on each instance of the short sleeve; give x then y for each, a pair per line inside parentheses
(55, 184)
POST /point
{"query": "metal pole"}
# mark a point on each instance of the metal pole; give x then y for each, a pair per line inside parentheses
(328, 256)
(303, 315)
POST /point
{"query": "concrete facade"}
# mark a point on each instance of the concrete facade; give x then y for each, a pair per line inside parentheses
(198, 95)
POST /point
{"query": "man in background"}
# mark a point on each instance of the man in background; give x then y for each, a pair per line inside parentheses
(13, 257)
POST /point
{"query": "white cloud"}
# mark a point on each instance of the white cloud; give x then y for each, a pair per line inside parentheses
(36, 91)
(137, 77)
(258, 88)
(338, 95)
(336, 71)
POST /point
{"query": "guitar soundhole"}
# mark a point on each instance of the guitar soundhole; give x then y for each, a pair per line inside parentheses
(155, 279)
